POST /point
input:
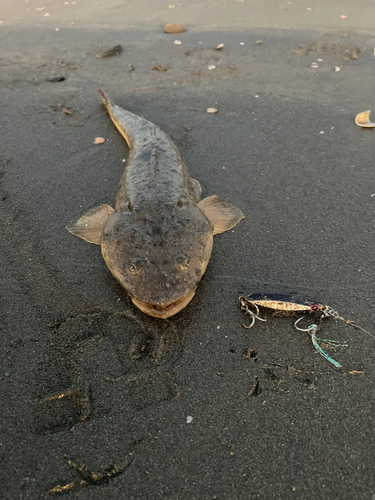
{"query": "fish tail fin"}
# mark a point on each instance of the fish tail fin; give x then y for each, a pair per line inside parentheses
(106, 100)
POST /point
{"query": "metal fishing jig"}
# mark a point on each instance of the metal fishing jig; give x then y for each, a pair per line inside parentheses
(276, 302)
(312, 330)
(288, 303)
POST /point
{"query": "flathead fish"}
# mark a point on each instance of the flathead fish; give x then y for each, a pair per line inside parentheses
(157, 241)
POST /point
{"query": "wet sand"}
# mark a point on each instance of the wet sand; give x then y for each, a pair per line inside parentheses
(95, 396)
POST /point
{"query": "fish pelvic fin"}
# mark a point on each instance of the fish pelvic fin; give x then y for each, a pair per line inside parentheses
(223, 216)
(90, 226)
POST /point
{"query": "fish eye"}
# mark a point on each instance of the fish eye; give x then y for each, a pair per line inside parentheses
(182, 263)
(134, 269)
(136, 266)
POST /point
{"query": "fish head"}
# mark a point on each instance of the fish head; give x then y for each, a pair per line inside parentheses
(158, 259)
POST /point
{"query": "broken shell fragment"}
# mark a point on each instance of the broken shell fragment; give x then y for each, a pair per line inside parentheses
(363, 120)
(211, 110)
(212, 66)
(219, 47)
(171, 28)
(99, 140)
(177, 42)
(258, 42)
(314, 65)
(337, 68)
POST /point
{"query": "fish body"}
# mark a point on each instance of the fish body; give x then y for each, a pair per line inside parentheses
(157, 240)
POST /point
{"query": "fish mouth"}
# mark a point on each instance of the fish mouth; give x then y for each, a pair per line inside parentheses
(164, 311)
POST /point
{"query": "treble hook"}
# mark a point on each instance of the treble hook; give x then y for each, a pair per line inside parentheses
(312, 330)
(313, 327)
(244, 301)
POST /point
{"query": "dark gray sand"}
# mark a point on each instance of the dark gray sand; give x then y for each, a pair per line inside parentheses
(95, 396)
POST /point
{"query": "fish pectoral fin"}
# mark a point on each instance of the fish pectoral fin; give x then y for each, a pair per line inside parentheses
(223, 216)
(91, 225)
(197, 188)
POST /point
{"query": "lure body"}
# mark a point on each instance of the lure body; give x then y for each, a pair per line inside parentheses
(280, 302)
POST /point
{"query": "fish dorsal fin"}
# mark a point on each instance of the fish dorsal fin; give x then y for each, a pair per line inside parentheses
(223, 216)
(91, 225)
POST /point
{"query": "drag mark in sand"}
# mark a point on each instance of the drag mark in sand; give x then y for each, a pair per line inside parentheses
(79, 397)
(86, 477)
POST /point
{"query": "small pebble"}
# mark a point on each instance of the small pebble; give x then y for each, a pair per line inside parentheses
(177, 42)
(173, 28)
(212, 67)
(321, 132)
(211, 110)
(47, 14)
(258, 42)
(242, 43)
(189, 419)
(159, 68)
(220, 46)
(314, 65)
(113, 51)
(337, 68)
(99, 140)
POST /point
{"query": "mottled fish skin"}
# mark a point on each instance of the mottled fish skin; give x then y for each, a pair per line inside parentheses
(157, 241)
(156, 178)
